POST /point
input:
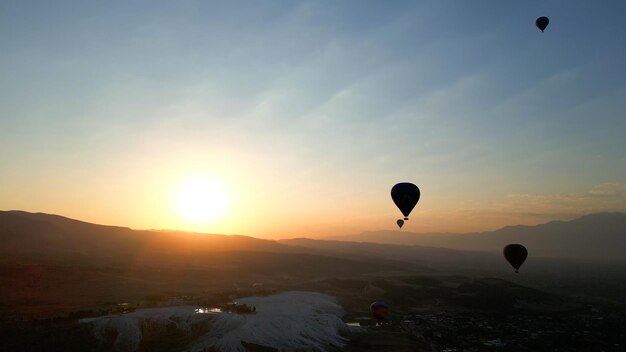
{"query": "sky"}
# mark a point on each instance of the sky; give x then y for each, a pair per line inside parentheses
(306, 113)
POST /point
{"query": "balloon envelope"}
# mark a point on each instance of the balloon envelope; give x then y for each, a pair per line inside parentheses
(515, 254)
(379, 310)
(400, 223)
(542, 22)
(405, 195)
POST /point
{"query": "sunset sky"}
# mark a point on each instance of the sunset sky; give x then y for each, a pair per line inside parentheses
(303, 115)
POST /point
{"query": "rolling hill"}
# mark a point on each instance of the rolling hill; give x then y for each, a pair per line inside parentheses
(600, 236)
(22, 233)
(426, 256)
(50, 264)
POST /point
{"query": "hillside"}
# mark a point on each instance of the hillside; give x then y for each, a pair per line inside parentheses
(23, 233)
(408, 253)
(51, 264)
(600, 236)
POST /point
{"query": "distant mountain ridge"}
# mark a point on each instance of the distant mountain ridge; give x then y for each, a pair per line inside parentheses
(52, 264)
(38, 237)
(599, 236)
(22, 231)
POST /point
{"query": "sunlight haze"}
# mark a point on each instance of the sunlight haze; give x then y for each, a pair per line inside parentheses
(284, 119)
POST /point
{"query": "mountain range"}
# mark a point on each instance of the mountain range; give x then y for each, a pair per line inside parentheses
(599, 236)
(49, 263)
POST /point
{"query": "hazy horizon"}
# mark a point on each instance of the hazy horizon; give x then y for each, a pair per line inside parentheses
(335, 236)
(289, 118)
(279, 175)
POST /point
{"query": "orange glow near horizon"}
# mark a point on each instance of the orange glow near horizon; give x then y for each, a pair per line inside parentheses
(188, 186)
(226, 120)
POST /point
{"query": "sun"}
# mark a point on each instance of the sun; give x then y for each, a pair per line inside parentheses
(202, 200)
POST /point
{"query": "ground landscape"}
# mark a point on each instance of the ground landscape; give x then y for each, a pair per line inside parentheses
(280, 175)
(66, 284)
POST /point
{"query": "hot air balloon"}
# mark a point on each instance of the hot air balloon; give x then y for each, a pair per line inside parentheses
(515, 254)
(405, 195)
(379, 310)
(400, 222)
(542, 22)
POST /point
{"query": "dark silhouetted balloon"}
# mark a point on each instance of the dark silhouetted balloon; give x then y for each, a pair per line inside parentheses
(379, 310)
(400, 222)
(542, 23)
(405, 195)
(516, 254)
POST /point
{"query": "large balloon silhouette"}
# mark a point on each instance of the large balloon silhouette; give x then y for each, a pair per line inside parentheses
(400, 223)
(542, 23)
(379, 310)
(405, 195)
(516, 254)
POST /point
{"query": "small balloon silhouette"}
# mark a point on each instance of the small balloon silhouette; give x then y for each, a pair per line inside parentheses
(400, 223)
(515, 254)
(379, 310)
(542, 23)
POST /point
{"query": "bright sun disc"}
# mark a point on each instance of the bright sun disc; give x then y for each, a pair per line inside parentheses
(202, 200)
